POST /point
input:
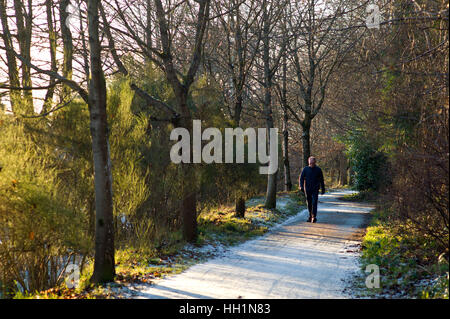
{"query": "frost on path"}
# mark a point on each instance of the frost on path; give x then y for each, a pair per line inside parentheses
(294, 260)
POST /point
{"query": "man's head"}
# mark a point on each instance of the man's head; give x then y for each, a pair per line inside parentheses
(312, 161)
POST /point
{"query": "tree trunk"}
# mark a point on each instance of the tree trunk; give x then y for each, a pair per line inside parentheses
(271, 195)
(238, 109)
(240, 201)
(104, 265)
(54, 68)
(306, 141)
(238, 83)
(13, 74)
(67, 45)
(181, 90)
(287, 168)
(189, 212)
(148, 30)
(240, 207)
(189, 202)
(24, 24)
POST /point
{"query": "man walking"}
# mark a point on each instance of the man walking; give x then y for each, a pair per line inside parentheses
(311, 180)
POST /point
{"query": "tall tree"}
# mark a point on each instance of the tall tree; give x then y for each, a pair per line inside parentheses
(95, 98)
(321, 40)
(66, 34)
(271, 55)
(282, 91)
(236, 49)
(164, 56)
(284, 102)
(104, 266)
(237, 23)
(52, 37)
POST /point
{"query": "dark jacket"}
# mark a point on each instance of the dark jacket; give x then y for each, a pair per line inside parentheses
(312, 178)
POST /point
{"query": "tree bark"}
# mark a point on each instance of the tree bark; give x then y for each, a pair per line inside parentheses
(104, 265)
(189, 202)
(287, 168)
(306, 138)
(239, 79)
(24, 25)
(52, 40)
(148, 30)
(240, 201)
(286, 165)
(306, 143)
(271, 194)
(13, 73)
(240, 207)
(67, 45)
(189, 211)
(181, 90)
(238, 109)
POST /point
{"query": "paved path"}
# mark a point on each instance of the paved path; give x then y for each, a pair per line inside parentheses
(295, 260)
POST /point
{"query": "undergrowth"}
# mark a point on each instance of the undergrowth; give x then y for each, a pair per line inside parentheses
(409, 266)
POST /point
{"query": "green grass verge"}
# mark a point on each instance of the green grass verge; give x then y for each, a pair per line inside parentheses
(223, 226)
(362, 196)
(406, 271)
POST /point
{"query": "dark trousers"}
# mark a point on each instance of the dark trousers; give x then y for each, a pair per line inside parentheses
(311, 199)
